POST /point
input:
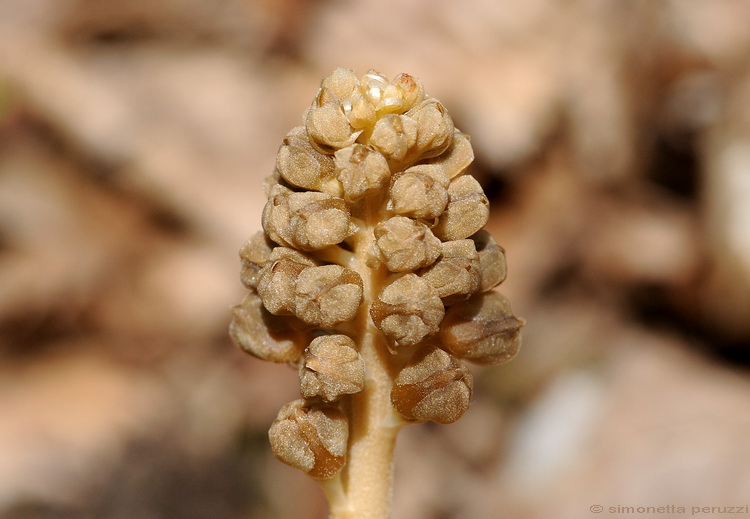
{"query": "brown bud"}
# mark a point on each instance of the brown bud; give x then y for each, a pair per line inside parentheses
(491, 260)
(406, 244)
(407, 311)
(327, 124)
(263, 335)
(302, 165)
(360, 169)
(456, 275)
(434, 386)
(253, 255)
(331, 368)
(467, 212)
(394, 135)
(277, 278)
(482, 329)
(328, 295)
(434, 128)
(420, 192)
(307, 220)
(311, 438)
(454, 160)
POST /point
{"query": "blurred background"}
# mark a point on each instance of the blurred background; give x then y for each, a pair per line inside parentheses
(612, 137)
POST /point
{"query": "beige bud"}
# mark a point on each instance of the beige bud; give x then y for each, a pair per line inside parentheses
(457, 157)
(327, 124)
(407, 311)
(406, 244)
(331, 368)
(327, 295)
(253, 255)
(300, 164)
(491, 260)
(307, 220)
(277, 278)
(394, 135)
(467, 212)
(434, 386)
(456, 275)
(412, 91)
(420, 192)
(360, 111)
(360, 169)
(342, 83)
(482, 329)
(311, 438)
(434, 128)
(266, 336)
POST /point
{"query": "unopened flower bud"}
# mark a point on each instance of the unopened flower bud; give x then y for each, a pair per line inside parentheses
(307, 220)
(491, 260)
(394, 135)
(456, 275)
(311, 438)
(342, 83)
(407, 311)
(434, 128)
(406, 244)
(300, 164)
(467, 212)
(331, 368)
(263, 335)
(277, 278)
(360, 169)
(411, 90)
(253, 255)
(434, 386)
(327, 124)
(420, 192)
(327, 295)
(482, 329)
(454, 160)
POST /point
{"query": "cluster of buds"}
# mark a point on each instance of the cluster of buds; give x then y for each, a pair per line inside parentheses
(372, 238)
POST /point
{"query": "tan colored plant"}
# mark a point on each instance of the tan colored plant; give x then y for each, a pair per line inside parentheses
(373, 277)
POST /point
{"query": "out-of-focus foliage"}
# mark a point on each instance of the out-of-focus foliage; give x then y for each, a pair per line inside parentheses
(613, 138)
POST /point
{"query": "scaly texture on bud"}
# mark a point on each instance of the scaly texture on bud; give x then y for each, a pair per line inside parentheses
(434, 386)
(372, 277)
(311, 438)
(482, 329)
(331, 368)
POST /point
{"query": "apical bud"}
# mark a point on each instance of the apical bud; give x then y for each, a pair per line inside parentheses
(311, 438)
(263, 335)
(406, 244)
(412, 91)
(327, 295)
(331, 367)
(433, 386)
(482, 329)
(407, 311)
(327, 124)
(467, 212)
(456, 275)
